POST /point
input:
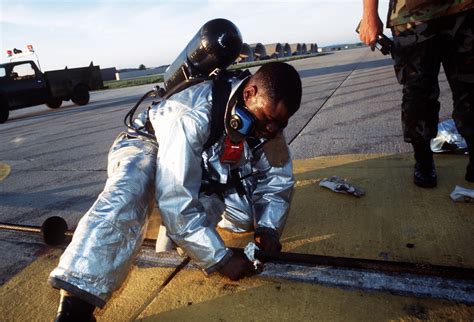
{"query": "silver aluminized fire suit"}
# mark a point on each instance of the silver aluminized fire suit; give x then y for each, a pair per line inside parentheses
(176, 175)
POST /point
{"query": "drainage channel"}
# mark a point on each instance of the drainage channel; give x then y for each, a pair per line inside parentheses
(407, 279)
(413, 279)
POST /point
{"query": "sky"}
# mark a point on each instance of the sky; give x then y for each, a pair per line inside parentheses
(127, 33)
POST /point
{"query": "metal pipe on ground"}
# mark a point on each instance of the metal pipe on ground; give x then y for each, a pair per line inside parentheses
(54, 232)
(412, 279)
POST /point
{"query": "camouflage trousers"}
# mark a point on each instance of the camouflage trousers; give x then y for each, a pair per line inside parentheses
(418, 53)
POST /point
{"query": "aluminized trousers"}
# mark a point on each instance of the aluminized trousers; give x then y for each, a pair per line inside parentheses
(108, 237)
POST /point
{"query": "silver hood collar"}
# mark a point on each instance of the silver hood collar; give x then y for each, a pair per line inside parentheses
(234, 135)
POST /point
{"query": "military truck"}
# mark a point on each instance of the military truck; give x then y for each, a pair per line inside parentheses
(22, 84)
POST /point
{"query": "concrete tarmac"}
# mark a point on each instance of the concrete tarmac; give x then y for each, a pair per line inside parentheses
(348, 125)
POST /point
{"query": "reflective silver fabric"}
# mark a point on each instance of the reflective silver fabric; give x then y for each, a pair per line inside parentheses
(110, 233)
(182, 127)
(272, 193)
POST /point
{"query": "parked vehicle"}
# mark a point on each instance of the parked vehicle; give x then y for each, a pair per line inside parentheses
(22, 84)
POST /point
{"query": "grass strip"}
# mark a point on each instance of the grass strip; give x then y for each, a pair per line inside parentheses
(158, 78)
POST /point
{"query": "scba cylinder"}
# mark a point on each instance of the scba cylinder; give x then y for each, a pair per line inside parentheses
(216, 45)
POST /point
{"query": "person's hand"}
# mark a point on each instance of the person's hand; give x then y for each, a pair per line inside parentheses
(268, 242)
(370, 26)
(238, 267)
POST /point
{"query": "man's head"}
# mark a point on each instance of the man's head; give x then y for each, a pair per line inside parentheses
(272, 95)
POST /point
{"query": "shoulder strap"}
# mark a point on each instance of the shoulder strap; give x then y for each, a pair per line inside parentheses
(220, 95)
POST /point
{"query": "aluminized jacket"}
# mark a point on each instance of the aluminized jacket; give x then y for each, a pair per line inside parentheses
(181, 177)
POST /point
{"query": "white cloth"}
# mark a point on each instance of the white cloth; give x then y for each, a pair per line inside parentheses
(338, 184)
(448, 138)
(249, 251)
(462, 194)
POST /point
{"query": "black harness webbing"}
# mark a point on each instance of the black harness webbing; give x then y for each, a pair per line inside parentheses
(220, 95)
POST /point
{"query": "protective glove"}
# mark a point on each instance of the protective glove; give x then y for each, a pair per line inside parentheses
(238, 267)
(268, 242)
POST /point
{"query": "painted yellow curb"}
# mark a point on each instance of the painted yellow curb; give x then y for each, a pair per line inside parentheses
(392, 215)
(4, 170)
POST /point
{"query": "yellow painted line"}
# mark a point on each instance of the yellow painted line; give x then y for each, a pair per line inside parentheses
(395, 220)
(379, 225)
(4, 170)
(323, 162)
(27, 295)
(192, 297)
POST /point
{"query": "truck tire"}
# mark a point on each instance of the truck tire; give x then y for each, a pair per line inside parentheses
(80, 95)
(4, 110)
(54, 103)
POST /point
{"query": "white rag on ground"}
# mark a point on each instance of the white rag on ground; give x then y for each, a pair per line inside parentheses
(338, 184)
(462, 194)
(448, 138)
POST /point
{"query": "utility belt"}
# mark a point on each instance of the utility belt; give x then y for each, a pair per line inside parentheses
(234, 182)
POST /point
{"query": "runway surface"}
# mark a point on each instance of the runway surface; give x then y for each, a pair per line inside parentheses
(53, 163)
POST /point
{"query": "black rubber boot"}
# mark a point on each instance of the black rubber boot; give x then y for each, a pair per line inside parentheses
(424, 174)
(470, 172)
(470, 167)
(73, 309)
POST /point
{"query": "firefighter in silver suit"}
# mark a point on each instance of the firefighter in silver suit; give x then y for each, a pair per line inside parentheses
(233, 184)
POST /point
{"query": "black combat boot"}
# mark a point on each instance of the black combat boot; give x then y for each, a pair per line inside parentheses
(425, 174)
(470, 167)
(73, 309)
(470, 172)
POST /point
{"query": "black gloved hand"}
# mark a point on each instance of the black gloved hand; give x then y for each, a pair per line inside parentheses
(238, 267)
(268, 242)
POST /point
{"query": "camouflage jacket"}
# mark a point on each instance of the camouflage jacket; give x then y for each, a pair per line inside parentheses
(403, 13)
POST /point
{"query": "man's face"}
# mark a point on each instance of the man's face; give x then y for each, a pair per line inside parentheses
(272, 117)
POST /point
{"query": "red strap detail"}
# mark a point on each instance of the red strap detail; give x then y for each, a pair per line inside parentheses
(232, 151)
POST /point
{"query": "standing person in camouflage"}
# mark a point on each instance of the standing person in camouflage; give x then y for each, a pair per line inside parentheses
(428, 33)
